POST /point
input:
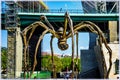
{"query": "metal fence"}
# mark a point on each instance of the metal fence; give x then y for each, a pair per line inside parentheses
(78, 11)
(50, 11)
(38, 9)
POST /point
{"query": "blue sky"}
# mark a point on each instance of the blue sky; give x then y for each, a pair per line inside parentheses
(64, 4)
(4, 38)
(83, 43)
(83, 37)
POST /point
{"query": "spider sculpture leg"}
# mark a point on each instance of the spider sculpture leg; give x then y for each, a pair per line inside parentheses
(77, 53)
(69, 20)
(26, 41)
(36, 50)
(103, 40)
(52, 58)
(70, 23)
(73, 54)
(95, 29)
(33, 27)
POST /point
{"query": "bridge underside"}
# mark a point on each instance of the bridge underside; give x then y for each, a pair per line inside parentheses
(28, 18)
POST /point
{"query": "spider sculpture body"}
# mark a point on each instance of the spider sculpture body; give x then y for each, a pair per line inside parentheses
(62, 37)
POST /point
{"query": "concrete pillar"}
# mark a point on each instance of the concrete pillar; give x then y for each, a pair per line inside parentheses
(113, 30)
(19, 48)
(14, 61)
(11, 54)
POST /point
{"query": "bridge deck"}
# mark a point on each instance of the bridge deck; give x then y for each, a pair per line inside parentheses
(59, 17)
(76, 17)
(28, 18)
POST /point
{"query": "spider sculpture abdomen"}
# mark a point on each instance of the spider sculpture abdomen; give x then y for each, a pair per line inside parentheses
(62, 44)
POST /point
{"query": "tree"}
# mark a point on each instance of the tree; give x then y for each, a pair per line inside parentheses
(78, 66)
(47, 63)
(61, 63)
(66, 61)
(4, 57)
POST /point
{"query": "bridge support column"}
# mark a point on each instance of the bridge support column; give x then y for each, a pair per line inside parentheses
(19, 48)
(14, 65)
(11, 54)
(113, 30)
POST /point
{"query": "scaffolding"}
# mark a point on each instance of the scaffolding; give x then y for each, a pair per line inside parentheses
(11, 14)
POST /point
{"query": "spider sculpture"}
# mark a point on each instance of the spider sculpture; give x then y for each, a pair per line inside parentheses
(62, 37)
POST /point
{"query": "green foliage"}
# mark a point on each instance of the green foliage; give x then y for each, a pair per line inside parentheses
(77, 64)
(4, 58)
(60, 63)
(47, 63)
(44, 62)
(66, 61)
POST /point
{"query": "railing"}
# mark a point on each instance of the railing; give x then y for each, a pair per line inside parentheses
(50, 11)
(78, 11)
(28, 7)
(20, 10)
